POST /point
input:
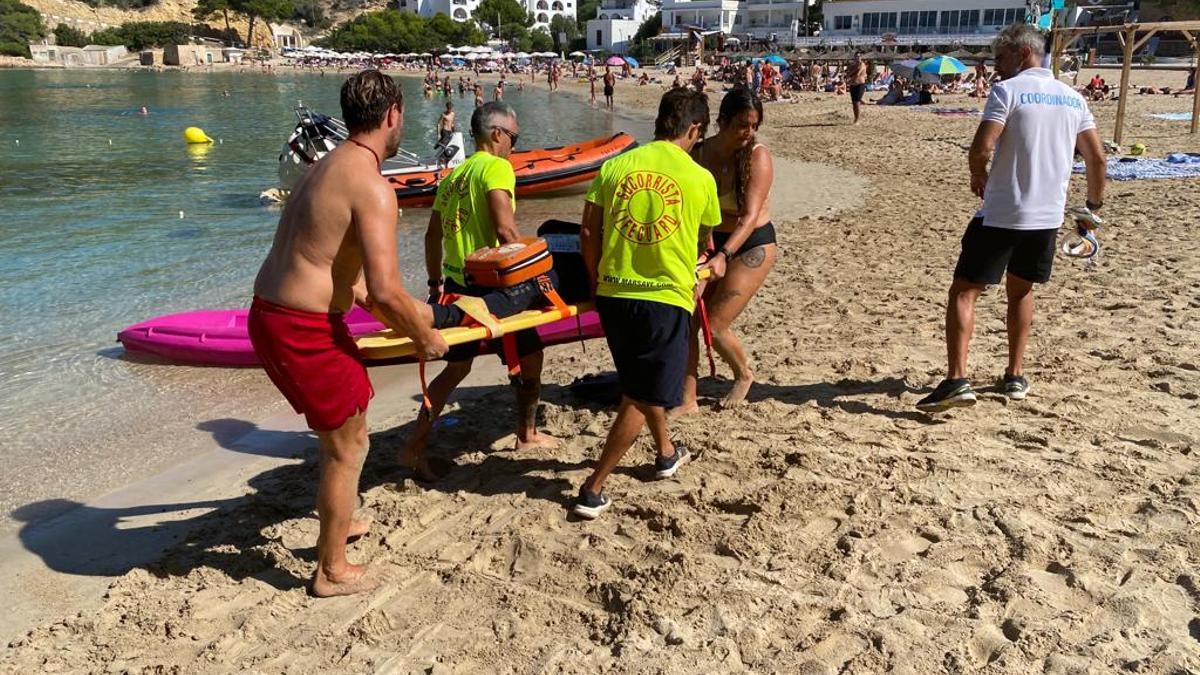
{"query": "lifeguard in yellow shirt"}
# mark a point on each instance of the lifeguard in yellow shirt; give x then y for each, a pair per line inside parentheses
(645, 222)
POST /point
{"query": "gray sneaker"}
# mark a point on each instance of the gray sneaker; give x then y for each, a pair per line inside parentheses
(1016, 387)
(589, 504)
(665, 467)
(949, 394)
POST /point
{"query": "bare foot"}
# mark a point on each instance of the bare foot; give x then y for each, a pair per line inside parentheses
(683, 410)
(419, 466)
(351, 581)
(542, 441)
(737, 395)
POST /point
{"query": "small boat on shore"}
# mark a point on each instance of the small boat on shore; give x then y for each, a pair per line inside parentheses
(415, 178)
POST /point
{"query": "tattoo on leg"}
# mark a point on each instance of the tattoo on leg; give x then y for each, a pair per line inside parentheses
(754, 257)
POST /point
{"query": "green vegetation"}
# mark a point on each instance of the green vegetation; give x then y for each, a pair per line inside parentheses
(561, 24)
(587, 9)
(393, 31)
(138, 35)
(266, 10)
(69, 36)
(121, 4)
(20, 24)
(640, 47)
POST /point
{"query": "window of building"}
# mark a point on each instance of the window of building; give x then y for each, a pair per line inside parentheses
(842, 22)
(737, 19)
(918, 22)
(599, 37)
(1003, 17)
(875, 23)
(678, 19)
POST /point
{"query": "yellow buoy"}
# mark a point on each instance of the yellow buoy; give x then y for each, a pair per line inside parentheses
(196, 135)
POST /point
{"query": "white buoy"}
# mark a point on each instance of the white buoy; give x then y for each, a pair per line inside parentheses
(181, 215)
(18, 141)
(110, 141)
(221, 141)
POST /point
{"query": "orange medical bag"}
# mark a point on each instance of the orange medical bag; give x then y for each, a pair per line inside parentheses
(510, 264)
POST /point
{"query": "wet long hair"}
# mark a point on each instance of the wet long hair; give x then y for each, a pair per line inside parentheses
(736, 102)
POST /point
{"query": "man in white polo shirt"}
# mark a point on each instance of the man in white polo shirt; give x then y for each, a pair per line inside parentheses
(1034, 123)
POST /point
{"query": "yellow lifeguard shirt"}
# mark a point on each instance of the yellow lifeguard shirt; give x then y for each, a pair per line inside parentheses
(462, 202)
(656, 199)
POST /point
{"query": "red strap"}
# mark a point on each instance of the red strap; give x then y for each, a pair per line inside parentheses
(426, 405)
(708, 339)
(511, 356)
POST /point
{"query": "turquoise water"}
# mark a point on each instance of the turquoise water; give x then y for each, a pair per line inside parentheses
(92, 237)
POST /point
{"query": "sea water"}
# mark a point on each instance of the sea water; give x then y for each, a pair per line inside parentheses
(107, 218)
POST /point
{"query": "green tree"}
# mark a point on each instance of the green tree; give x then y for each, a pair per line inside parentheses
(587, 9)
(69, 36)
(640, 46)
(20, 24)
(560, 24)
(312, 12)
(540, 40)
(139, 35)
(206, 9)
(266, 10)
(393, 31)
(508, 18)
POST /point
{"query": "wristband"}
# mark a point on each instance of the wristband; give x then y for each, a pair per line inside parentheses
(1093, 206)
(725, 252)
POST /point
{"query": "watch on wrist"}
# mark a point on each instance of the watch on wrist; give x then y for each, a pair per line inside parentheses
(725, 252)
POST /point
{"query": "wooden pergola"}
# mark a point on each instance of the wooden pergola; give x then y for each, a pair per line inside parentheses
(1132, 37)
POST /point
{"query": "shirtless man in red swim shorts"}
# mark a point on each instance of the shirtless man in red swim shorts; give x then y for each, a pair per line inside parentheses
(336, 245)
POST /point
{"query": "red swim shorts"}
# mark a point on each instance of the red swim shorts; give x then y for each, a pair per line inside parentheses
(313, 360)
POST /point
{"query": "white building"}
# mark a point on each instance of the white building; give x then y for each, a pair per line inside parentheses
(757, 18)
(918, 21)
(461, 10)
(616, 22)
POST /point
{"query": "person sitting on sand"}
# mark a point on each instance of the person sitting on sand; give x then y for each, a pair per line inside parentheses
(1034, 123)
(745, 239)
(1189, 86)
(644, 223)
(475, 208)
(336, 245)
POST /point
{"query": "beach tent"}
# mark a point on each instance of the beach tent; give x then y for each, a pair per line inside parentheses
(633, 63)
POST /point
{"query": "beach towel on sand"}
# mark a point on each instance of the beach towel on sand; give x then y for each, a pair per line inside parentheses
(1148, 169)
(1173, 116)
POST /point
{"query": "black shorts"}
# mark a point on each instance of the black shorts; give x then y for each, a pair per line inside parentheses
(649, 345)
(988, 251)
(501, 302)
(608, 91)
(856, 92)
(761, 236)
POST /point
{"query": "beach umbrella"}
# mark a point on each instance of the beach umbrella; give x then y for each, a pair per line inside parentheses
(491, 64)
(776, 60)
(633, 63)
(941, 65)
(445, 57)
(522, 55)
(576, 55)
(732, 41)
(425, 55)
(614, 61)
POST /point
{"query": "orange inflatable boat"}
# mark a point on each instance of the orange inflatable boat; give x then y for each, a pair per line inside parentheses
(540, 170)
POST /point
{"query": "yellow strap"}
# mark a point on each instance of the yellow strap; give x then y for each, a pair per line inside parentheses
(477, 309)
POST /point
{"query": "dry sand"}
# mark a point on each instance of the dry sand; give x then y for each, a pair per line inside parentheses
(828, 527)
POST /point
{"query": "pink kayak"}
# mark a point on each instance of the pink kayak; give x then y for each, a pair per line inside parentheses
(218, 337)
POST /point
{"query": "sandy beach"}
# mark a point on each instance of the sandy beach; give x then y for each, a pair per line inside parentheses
(827, 526)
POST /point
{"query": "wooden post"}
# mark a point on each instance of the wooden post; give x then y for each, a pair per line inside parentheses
(1196, 95)
(1127, 40)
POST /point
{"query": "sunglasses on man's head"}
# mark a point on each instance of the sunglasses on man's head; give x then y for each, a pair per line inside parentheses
(512, 135)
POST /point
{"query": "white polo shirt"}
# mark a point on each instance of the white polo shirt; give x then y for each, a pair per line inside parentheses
(1031, 166)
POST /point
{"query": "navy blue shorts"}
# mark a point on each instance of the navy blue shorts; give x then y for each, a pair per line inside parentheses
(649, 345)
(502, 303)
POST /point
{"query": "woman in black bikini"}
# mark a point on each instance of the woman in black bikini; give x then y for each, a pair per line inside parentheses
(744, 172)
